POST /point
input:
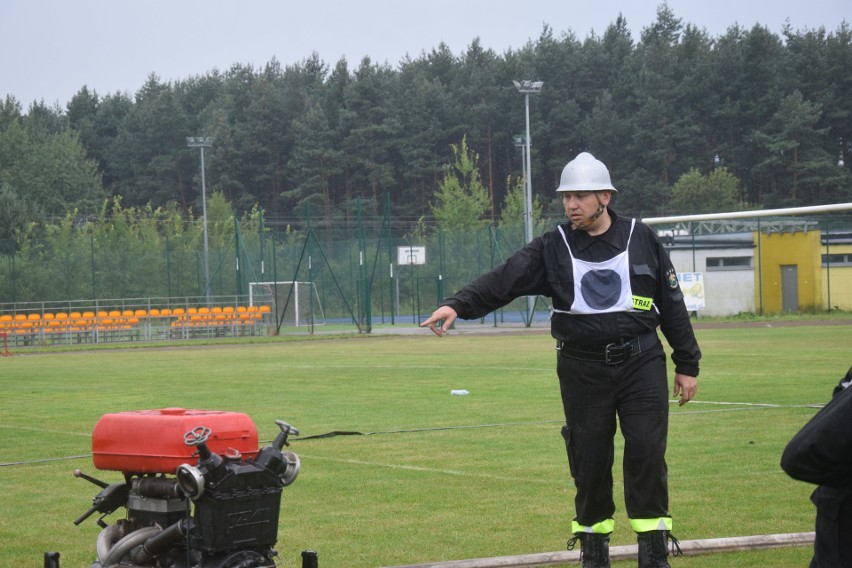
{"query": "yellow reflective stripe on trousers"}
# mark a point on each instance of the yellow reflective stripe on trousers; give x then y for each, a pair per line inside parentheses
(657, 524)
(603, 527)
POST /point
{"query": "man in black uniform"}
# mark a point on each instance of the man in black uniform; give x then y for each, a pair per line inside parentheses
(821, 453)
(611, 284)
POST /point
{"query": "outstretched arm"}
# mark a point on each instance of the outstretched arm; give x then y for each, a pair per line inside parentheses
(445, 313)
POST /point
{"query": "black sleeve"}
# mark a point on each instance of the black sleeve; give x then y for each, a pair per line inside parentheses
(522, 274)
(674, 318)
(821, 452)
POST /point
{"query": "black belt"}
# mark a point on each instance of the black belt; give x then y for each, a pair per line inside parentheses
(611, 354)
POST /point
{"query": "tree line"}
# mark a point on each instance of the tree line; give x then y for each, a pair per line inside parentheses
(768, 115)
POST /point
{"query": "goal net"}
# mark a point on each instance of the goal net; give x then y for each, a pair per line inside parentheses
(295, 303)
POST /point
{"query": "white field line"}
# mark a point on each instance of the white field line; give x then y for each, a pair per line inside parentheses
(45, 430)
(513, 479)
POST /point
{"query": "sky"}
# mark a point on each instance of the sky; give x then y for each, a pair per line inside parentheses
(50, 49)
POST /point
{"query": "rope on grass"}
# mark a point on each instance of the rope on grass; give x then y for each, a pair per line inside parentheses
(688, 547)
(415, 430)
(731, 407)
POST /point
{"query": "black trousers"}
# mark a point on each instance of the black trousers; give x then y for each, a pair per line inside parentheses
(832, 547)
(594, 395)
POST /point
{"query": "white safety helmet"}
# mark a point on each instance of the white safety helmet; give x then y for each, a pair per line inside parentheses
(585, 173)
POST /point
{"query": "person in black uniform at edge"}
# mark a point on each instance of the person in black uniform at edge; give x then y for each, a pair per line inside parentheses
(821, 453)
(611, 284)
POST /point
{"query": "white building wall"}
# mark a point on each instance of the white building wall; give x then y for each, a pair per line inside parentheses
(727, 292)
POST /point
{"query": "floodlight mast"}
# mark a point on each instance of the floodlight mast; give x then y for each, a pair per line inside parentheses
(526, 87)
(202, 142)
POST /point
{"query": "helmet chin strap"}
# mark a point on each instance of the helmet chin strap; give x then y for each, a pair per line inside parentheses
(587, 222)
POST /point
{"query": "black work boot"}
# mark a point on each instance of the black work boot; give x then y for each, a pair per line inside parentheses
(654, 549)
(594, 549)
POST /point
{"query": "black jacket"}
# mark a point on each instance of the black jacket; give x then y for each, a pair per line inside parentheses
(821, 452)
(543, 267)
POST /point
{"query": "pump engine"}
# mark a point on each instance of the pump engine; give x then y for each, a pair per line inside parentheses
(219, 512)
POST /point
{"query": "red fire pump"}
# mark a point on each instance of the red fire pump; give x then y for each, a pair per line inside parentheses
(219, 512)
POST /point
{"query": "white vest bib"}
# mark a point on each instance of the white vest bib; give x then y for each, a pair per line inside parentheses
(601, 287)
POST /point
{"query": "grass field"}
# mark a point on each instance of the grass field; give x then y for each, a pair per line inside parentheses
(440, 477)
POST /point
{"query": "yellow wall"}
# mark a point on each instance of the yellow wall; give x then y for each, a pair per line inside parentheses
(801, 249)
(840, 281)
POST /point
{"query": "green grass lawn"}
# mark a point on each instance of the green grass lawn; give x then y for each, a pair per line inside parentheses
(439, 477)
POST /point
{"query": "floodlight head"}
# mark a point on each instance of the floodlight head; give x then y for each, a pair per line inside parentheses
(199, 141)
(527, 86)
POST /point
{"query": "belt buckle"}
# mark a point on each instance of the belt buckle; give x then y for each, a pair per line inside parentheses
(614, 354)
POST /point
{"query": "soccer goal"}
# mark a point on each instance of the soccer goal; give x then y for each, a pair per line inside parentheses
(296, 303)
